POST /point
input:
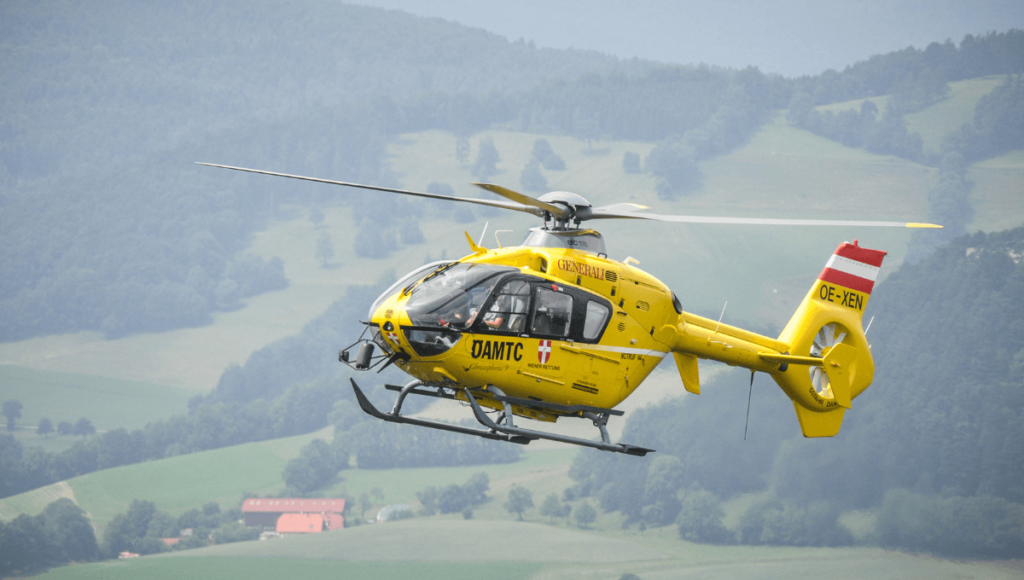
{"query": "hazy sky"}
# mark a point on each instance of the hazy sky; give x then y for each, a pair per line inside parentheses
(791, 37)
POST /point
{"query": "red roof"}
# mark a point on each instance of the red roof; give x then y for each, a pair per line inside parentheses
(300, 523)
(292, 505)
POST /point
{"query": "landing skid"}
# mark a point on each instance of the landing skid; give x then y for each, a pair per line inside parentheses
(504, 429)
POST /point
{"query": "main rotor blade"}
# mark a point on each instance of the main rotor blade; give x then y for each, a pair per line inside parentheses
(504, 205)
(696, 219)
(556, 211)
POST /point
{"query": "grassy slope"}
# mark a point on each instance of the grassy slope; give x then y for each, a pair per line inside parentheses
(175, 484)
(454, 548)
(998, 195)
(936, 121)
(108, 403)
(276, 568)
(782, 172)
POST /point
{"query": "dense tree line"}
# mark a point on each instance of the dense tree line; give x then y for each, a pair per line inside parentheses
(455, 498)
(316, 466)
(379, 445)
(935, 446)
(917, 74)
(140, 530)
(60, 534)
(914, 79)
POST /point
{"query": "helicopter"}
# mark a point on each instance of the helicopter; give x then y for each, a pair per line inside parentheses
(555, 329)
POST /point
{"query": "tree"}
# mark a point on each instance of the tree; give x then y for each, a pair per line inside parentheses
(365, 503)
(70, 529)
(84, 428)
(461, 152)
(12, 410)
(314, 467)
(631, 162)
(551, 507)
(487, 159)
(584, 514)
(45, 426)
(519, 500)
(546, 156)
(673, 164)
(700, 519)
(324, 248)
(532, 179)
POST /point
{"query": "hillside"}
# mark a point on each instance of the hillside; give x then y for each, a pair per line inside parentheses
(937, 120)
(104, 222)
(175, 484)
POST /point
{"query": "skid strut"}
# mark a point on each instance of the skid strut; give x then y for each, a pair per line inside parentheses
(504, 429)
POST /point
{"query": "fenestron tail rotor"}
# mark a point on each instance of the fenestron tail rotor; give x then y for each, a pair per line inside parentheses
(824, 340)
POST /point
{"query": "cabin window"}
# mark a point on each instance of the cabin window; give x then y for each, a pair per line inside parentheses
(509, 309)
(553, 313)
(597, 315)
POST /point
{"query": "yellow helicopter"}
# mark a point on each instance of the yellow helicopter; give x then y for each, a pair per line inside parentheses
(554, 328)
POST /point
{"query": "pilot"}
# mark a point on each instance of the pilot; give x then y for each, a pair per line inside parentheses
(496, 317)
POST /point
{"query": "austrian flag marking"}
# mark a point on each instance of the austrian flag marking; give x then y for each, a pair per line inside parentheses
(853, 267)
(393, 337)
(544, 351)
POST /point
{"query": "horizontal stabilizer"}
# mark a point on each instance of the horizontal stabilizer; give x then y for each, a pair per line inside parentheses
(814, 424)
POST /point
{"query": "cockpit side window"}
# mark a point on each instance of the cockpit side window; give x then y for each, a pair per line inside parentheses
(597, 316)
(452, 298)
(509, 309)
(552, 315)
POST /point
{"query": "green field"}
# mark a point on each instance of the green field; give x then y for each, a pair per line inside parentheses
(998, 193)
(278, 568)
(435, 548)
(108, 403)
(175, 484)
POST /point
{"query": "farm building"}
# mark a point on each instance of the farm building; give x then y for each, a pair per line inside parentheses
(294, 515)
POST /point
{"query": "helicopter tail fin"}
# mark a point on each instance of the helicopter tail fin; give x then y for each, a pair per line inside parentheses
(829, 360)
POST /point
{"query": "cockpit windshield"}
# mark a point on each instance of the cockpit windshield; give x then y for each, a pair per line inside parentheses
(451, 298)
(403, 282)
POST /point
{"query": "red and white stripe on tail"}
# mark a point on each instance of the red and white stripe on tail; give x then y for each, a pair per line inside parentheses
(851, 267)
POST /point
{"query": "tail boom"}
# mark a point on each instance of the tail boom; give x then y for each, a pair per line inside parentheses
(821, 360)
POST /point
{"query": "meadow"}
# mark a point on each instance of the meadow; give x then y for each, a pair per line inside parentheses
(438, 548)
(108, 403)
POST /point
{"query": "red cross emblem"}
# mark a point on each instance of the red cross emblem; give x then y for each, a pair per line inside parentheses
(544, 351)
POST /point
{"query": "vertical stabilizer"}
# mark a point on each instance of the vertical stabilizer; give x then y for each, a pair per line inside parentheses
(827, 332)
